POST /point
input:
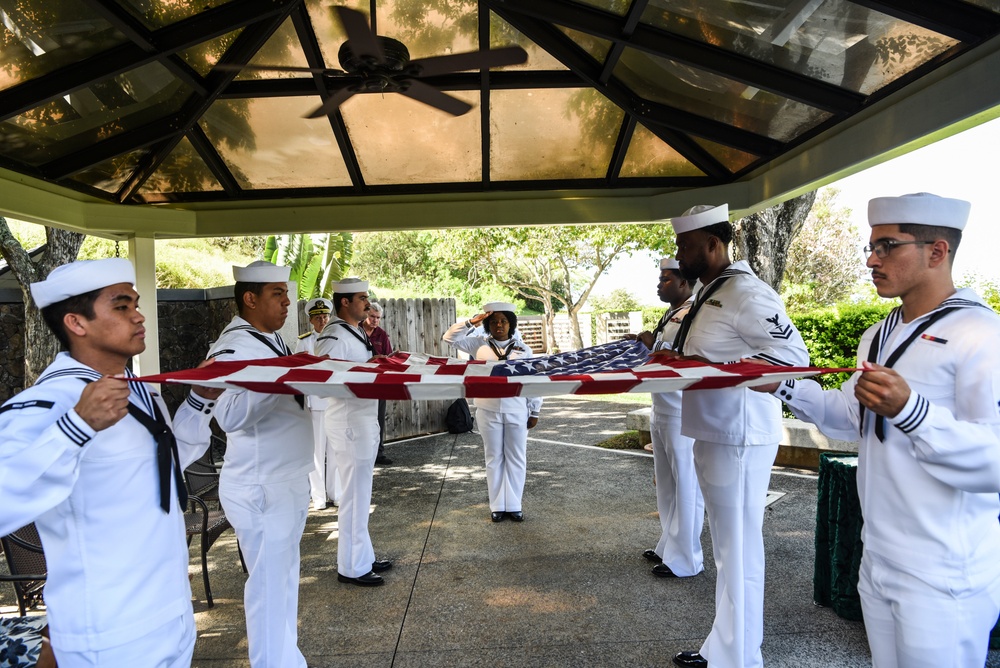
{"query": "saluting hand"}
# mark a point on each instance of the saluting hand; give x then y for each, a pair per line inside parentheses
(476, 319)
(881, 390)
(104, 402)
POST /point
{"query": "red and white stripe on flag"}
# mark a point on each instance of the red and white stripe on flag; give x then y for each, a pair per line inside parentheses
(410, 376)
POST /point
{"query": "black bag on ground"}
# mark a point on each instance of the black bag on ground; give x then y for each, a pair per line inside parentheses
(458, 419)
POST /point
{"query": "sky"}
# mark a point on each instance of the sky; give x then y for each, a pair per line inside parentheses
(963, 166)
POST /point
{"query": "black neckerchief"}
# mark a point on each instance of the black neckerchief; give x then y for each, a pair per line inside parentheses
(166, 453)
(166, 445)
(703, 296)
(502, 354)
(879, 340)
(667, 316)
(362, 336)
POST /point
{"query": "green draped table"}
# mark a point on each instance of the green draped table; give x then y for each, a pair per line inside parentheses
(838, 538)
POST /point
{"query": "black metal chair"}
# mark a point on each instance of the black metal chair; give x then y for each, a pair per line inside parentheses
(208, 523)
(26, 563)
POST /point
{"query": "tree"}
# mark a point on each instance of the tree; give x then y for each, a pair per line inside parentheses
(824, 265)
(555, 264)
(316, 260)
(763, 239)
(40, 346)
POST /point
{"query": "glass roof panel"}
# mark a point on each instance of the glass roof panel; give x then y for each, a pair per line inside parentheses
(203, 57)
(267, 144)
(430, 28)
(110, 174)
(566, 133)
(284, 49)
(39, 38)
(401, 141)
(182, 171)
(504, 34)
(597, 47)
(159, 13)
(648, 155)
(83, 118)
(733, 159)
(700, 92)
(836, 41)
(329, 31)
(992, 5)
(619, 7)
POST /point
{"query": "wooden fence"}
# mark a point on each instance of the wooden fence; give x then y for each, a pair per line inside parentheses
(416, 326)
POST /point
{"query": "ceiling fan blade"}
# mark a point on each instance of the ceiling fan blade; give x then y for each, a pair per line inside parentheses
(229, 67)
(421, 92)
(470, 60)
(331, 103)
(359, 34)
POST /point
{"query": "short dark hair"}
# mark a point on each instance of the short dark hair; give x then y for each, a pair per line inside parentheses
(337, 296)
(723, 230)
(932, 233)
(53, 314)
(678, 274)
(243, 288)
(511, 318)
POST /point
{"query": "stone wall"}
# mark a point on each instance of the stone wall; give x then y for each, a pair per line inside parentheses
(190, 320)
(11, 344)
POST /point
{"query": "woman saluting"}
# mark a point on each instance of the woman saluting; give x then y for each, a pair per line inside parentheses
(503, 423)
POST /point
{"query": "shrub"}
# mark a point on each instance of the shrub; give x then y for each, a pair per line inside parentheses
(832, 335)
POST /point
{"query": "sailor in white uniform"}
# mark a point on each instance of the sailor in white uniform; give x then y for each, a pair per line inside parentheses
(94, 461)
(264, 484)
(353, 433)
(927, 408)
(678, 497)
(736, 431)
(503, 423)
(323, 481)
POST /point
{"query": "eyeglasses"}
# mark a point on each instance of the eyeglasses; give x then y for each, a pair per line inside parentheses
(884, 247)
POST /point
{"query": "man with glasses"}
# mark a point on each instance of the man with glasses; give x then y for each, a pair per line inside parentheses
(927, 407)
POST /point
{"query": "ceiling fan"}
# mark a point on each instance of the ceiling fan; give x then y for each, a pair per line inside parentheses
(377, 64)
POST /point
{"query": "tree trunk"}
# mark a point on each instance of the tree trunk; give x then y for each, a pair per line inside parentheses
(763, 239)
(62, 246)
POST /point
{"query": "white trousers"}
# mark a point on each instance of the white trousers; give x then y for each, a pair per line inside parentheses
(734, 480)
(269, 520)
(169, 646)
(678, 497)
(915, 620)
(324, 483)
(354, 449)
(505, 441)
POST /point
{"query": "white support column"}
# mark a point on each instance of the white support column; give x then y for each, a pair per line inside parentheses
(142, 253)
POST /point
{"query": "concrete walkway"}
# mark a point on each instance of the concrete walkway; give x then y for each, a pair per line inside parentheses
(568, 587)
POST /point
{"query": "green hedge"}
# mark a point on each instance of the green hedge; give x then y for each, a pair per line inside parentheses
(832, 335)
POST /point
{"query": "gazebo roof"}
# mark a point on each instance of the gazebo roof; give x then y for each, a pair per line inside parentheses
(117, 119)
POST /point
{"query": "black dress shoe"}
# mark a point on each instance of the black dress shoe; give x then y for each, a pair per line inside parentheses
(651, 555)
(498, 517)
(381, 566)
(690, 660)
(383, 461)
(367, 580)
(663, 571)
(516, 516)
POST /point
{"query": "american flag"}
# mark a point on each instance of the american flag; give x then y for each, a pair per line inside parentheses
(611, 368)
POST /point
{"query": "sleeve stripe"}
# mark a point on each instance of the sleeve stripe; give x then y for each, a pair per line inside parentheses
(770, 358)
(916, 416)
(72, 431)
